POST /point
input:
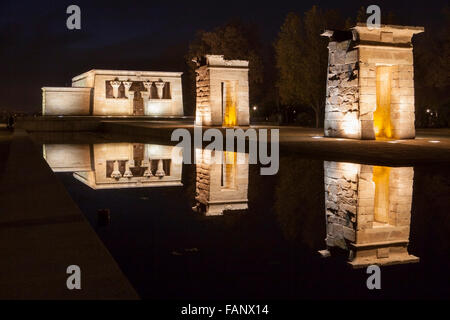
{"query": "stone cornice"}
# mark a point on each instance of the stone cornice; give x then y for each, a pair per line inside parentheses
(125, 73)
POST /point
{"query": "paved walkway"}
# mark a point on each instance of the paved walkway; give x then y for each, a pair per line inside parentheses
(430, 145)
(42, 232)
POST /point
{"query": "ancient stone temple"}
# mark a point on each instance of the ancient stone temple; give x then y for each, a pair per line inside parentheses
(117, 165)
(368, 212)
(222, 92)
(222, 181)
(370, 86)
(117, 93)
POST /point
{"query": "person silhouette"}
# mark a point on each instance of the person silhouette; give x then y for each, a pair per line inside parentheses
(10, 124)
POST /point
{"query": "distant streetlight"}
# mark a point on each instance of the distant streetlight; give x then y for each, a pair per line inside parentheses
(254, 108)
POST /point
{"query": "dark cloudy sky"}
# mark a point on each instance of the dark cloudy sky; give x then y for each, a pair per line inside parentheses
(38, 50)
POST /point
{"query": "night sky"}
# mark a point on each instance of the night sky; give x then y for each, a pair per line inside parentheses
(38, 50)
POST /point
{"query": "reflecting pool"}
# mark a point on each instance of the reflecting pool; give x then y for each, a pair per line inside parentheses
(218, 230)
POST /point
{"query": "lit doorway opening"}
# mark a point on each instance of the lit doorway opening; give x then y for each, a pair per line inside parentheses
(381, 201)
(382, 115)
(228, 174)
(229, 102)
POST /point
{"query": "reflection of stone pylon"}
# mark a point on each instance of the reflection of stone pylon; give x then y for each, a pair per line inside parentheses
(160, 171)
(127, 173)
(116, 173)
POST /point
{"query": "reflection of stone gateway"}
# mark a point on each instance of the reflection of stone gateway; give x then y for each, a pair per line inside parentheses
(368, 212)
(370, 87)
(222, 182)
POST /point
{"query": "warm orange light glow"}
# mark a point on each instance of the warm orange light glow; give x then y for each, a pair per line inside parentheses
(382, 115)
(229, 169)
(381, 203)
(229, 119)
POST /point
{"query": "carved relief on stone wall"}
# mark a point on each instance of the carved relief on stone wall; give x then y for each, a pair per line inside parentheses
(116, 89)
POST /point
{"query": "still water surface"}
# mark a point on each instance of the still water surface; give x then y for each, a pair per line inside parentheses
(223, 231)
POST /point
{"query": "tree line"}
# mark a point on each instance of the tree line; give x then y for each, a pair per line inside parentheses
(287, 79)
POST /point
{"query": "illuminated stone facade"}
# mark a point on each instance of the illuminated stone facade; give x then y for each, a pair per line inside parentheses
(370, 86)
(368, 212)
(117, 165)
(117, 93)
(222, 181)
(222, 92)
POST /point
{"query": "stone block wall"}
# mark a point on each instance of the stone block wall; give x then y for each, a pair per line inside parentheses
(341, 106)
(202, 185)
(203, 107)
(68, 157)
(341, 200)
(66, 101)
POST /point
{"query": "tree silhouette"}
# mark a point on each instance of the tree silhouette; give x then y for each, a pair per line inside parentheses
(431, 75)
(234, 40)
(302, 59)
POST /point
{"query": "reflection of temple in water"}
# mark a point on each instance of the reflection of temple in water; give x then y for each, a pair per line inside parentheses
(368, 212)
(117, 165)
(222, 181)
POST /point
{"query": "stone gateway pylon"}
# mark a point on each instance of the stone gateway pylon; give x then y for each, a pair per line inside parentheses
(222, 92)
(370, 86)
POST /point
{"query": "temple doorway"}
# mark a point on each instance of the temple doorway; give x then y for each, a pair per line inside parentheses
(382, 115)
(228, 172)
(381, 201)
(138, 101)
(138, 104)
(229, 102)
